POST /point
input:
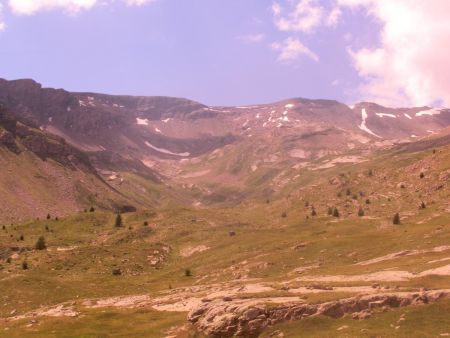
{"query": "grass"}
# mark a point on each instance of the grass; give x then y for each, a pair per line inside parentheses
(84, 248)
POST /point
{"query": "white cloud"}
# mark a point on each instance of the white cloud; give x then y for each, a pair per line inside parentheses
(251, 38)
(138, 2)
(2, 24)
(291, 49)
(411, 64)
(333, 17)
(304, 16)
(30, 7)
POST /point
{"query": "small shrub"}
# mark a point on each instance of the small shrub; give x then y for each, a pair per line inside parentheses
(370, 173)
(339, 194)
(348, 192)
(188, 272)
(306, 204)
(422, 205)
(396, 219)
(116, 272)
(422, 175)
(48, 216)
(40, 244)
(21, 237)
(313, 212)
(367, 201)
(361, 212)
(92, 209)
(8, 260)
(330, 211)
(284, 214)
(355, 197)
(145, 223)
(24, 265)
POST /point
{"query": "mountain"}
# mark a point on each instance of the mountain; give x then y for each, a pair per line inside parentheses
(302, 215)
(189, 153)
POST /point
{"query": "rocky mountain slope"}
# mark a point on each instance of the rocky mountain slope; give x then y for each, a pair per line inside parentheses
(184, 152)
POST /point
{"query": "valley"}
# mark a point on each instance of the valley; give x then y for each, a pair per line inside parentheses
(270, 220)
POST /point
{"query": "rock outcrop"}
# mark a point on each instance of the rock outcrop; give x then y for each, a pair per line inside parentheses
(240, 319)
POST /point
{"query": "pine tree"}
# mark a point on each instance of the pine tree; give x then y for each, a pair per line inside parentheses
(40, 244)
(118, 222)
(336, 212)
(396, 219)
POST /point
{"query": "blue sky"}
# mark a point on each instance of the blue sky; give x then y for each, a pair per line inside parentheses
(217, 52)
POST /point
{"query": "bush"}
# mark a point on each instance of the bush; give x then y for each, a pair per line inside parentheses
(116, 272)
(361, 212)
(348, 192)
(48, 216)
(367, 201)
(188, 272)
(336, 212)
(40, 244)
(370, 172)
(118, 223)
(21, 237)
(284, 214)
(422, 175)
(92, 209)
(24, 265)
(313, 212)
(330, 211)
(396, 219)
(306, 204)
(422, 205)
(145, 223)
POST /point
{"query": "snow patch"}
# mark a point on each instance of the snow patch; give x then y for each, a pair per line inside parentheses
(363, 125)
(143, 122)
(50, 119)
(386, 115)
(429, 112)
(82, 103)
(158, 130)
(407, 116)
(290, 105)
(165, 151)
(166, 120)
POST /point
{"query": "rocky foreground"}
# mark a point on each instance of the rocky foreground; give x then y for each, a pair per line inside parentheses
(228, 318)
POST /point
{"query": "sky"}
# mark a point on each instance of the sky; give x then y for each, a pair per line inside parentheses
(233, 52)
